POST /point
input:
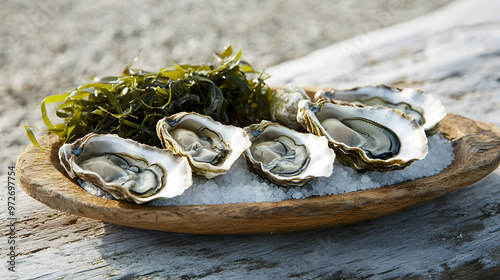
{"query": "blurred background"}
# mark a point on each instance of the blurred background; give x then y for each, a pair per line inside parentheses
(50, 47)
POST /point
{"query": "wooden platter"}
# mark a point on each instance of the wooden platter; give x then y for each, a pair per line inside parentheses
(477, 153)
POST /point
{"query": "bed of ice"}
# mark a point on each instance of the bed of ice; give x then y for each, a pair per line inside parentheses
(239, 185)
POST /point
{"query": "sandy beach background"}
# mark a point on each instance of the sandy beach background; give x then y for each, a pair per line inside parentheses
(50, 47)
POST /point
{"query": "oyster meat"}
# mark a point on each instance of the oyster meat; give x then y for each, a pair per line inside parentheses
(287, 157)
(126, 169)
(426, 109)
(365, 137)
(285, 103)
(210, 147)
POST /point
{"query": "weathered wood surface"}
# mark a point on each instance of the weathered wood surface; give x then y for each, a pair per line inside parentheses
(452, 53)
(476, 148)
(456, 234)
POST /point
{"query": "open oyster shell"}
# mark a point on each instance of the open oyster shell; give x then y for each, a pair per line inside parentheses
(365, 137)
(284, 105)
(210, 147)
(287, 157)
(126, 169)
(426, 109)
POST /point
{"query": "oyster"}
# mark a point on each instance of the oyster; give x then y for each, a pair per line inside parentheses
(210, 147)
(126, 169)
(426, 109)
(287, 157)
(284, 105)
(365, 137)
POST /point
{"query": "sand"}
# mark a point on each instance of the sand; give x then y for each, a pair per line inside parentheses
(50, 47)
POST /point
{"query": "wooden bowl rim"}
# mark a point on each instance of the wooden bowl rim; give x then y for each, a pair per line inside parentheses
(477, 153)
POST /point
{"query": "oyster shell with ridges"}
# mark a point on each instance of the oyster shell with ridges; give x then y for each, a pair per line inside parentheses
(287, 157)
(285, 103)
(210, 147)
(425, 108)
(365, 137)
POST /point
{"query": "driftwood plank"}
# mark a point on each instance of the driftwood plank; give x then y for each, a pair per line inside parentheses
(452, 53)
(458, 234)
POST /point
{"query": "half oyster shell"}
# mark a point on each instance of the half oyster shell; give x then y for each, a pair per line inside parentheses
(426, 109)
(365, 137)
(210, 147)
(287, 157)
(126, 169)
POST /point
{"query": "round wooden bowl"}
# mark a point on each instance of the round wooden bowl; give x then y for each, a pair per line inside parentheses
(477, 153)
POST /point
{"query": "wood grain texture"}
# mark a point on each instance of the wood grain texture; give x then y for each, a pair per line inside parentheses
(476, 148)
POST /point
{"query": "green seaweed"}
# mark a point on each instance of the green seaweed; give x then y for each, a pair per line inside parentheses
(228, 90)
